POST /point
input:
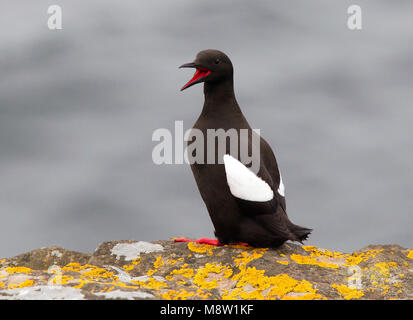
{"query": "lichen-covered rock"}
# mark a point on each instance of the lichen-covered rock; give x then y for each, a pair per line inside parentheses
(169, 270)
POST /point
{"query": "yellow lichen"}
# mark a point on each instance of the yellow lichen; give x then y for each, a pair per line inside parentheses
(351, 259)
(253, 284)
(156, 265)
(320, 252)
(128, 267)
(202, 274)
(201, 248)
(151, 283)
(384, 268)
(18, 270)
(385, 290)
(81, 283)
(26, 283)
(249, 282)
(73, 266)
(61, 279)
(313, 261)
(180, 294)
(245, 257)
(185, 272)
(96, 272)
(131, 266)
(203, 295)
(93, 274)
(357, 257)
(348, 292)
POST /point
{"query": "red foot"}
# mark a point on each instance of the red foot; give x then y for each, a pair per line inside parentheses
(212, 242)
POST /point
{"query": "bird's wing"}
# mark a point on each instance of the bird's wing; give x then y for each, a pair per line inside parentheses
(267, 186)
(245, 184)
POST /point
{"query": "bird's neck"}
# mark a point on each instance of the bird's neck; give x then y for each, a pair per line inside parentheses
(220, 97)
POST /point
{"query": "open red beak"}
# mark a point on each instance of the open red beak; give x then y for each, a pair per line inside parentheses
(200, 73)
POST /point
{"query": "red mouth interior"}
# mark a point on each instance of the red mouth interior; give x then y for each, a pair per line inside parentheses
(199, 73)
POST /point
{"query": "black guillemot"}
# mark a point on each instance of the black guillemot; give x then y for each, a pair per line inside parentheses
(245, 207)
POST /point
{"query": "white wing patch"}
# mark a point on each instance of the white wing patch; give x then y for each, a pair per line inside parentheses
(244, 184)
(281, 188)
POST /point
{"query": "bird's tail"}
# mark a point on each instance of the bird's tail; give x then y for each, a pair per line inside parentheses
(301, 232)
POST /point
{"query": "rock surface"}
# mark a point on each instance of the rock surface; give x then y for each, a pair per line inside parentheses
(168, 270)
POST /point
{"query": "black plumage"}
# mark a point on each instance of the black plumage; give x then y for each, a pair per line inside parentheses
(258, 223)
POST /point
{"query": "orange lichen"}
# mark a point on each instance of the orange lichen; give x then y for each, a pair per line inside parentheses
(286, 263)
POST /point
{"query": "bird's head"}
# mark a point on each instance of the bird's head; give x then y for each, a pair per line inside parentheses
(211, 66)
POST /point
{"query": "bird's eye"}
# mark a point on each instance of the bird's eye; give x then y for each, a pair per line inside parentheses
(217, 61)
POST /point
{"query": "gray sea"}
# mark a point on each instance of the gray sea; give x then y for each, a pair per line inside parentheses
(78, 107)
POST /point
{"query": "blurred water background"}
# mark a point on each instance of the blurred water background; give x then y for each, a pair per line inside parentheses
(78, 108)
